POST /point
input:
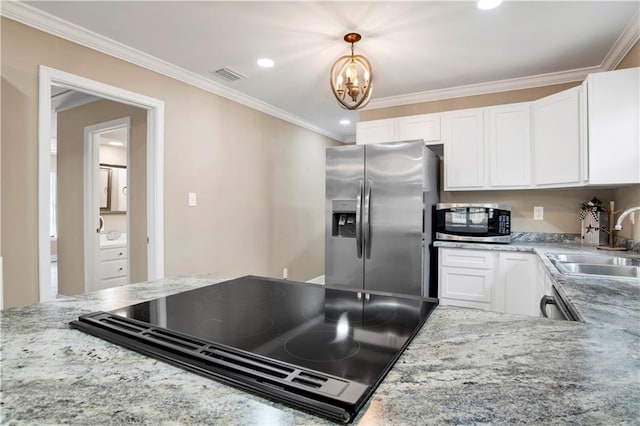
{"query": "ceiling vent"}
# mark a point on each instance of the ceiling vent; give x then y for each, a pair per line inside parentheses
(228, 74)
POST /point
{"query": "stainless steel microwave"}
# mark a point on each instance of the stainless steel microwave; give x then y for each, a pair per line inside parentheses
(487, 223)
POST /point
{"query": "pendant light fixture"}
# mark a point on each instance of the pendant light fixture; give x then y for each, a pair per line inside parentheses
(351, 78)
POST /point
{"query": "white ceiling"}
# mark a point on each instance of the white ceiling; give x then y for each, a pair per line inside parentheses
(413, 46)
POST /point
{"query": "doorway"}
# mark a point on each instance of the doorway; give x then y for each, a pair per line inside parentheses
(107, 168)
(153, 198)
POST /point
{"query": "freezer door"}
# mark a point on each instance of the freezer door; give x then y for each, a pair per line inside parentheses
(343, 230)
(393, 217)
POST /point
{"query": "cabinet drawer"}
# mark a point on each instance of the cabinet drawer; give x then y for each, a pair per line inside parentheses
(113, 253)
(111, 282)
(462, 258)
(113, 269)
(466, 284)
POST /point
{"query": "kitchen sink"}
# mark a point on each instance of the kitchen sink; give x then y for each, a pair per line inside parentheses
(594, 259)
(601, 265)
(623, 271)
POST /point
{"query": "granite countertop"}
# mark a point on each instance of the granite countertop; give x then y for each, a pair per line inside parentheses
(464, 366)
(599, 300)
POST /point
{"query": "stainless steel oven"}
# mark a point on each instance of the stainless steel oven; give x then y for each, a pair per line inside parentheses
(473, 222)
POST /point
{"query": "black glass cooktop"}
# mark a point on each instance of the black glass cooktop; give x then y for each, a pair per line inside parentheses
(318, 348)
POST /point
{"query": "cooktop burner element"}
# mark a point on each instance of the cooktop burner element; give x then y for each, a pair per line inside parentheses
(321, 346)
(320, 349)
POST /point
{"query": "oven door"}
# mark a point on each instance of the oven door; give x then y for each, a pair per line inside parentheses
(553, 307)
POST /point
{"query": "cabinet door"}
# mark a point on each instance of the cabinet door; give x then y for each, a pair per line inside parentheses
(509, 144)
(557, 143)
(515, 291)
(375, 131)
(614, 126)
(466, 277)
(425, 127)
(463, 149)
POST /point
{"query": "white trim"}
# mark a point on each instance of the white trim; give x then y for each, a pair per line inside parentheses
(155, 171)
(91, 197)
(629, 36)
(484, 88)
(33, 17)
(43, 21)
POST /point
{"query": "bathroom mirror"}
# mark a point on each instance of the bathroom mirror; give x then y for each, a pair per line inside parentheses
(113, 184)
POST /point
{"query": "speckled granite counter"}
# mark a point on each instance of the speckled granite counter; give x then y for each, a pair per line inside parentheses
(465, 366)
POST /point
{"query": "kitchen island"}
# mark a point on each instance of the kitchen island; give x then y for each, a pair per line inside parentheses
(464, 366)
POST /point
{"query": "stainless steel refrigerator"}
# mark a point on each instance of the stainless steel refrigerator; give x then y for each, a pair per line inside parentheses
(379, 200)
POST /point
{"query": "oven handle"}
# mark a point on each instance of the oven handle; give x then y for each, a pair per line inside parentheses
(546, 300)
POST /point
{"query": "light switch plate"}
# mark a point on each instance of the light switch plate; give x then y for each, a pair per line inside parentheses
(192, 199)
(538, 213)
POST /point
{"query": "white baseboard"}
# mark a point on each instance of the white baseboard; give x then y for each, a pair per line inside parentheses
(317, 280)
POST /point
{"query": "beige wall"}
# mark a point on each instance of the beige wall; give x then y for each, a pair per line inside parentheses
(561, 206)
(116, 155)
(71, 124)
(632, 58)
(625, 197)
(225, 152)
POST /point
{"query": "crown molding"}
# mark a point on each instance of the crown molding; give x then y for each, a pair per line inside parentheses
(628, 38)
(43, 21)
(484, 88)
(35, 18)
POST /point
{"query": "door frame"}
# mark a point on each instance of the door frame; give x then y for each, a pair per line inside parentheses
(155, 167)
(91, 197)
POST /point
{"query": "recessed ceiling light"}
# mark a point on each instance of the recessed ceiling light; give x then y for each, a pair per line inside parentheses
(116, 143)
(345, 122)
(488, 4)
(265, 62)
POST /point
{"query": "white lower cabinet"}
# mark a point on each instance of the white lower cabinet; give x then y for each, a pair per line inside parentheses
(515, 289)
(113, 267)
(466, 277)
(489, 280)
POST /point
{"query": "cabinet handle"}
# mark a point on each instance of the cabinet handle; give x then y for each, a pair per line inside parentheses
(120, 254)
(120, 270)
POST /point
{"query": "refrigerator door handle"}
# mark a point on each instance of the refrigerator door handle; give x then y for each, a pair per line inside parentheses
(359, 220)
(367, 219)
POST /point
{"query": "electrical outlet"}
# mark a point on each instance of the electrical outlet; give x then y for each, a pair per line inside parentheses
(538, 213)
(285, 273)
(192, 199)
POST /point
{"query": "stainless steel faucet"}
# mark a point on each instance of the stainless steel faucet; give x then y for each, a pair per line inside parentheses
(624, 214)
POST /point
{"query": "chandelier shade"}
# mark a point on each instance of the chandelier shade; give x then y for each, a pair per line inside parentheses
(351, 78)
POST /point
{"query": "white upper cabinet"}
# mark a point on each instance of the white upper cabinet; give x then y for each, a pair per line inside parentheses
(613, 100)
(509, 146)
(488, 148)
(424, 126)
(376, 131)
(463, 137)
(413, 127)
(559, 147)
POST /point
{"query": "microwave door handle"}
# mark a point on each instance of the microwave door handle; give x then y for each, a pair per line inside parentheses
(367, 219)
(359, 220)
(546, 300)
